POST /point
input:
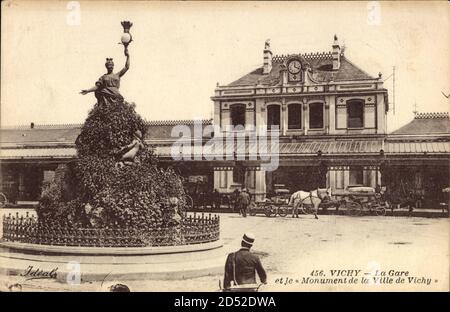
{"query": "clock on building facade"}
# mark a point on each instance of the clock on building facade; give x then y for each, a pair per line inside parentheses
(294, 70)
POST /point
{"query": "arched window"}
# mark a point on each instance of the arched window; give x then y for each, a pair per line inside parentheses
(273, 116)
(355, 114)
(237, 114)
(294, 116)
(316, 116)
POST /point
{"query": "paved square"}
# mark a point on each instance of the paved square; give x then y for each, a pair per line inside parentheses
(290, 249)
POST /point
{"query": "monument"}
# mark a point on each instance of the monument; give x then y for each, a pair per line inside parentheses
(114, 200)
(116, 182)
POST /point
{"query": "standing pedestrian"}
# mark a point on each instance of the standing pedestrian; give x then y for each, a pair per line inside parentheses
(295, 200)
(244, 201)
(241, 266)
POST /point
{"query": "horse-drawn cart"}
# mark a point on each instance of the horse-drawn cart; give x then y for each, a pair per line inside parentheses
(271, 207)
(361, 199)
(320, 198)
(355, 200)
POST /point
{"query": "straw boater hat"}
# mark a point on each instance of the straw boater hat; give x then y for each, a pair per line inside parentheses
(248, 238)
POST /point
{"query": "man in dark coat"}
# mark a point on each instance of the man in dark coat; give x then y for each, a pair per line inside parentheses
(244, 201)
(241, 266)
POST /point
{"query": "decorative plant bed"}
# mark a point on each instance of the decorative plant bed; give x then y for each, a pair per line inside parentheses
(191, 249)
(192, 230)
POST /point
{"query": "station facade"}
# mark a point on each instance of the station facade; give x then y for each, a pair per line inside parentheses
(331, 117)
(328, 117)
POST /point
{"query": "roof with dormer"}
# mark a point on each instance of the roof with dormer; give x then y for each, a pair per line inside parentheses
(426, 123)
(320, 63)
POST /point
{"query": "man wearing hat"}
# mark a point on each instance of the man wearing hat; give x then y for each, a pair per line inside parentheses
(244, 201)
(241, 266)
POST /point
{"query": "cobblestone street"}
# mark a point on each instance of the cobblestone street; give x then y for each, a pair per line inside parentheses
(292, 248)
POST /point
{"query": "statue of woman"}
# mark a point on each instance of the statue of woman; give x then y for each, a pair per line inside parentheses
(107, 87)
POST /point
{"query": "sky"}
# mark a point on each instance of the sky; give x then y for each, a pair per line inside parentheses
(181, 50)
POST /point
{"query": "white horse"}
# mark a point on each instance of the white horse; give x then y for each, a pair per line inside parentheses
(313, 198)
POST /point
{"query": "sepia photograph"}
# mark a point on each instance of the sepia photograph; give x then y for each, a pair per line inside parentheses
(224, 147)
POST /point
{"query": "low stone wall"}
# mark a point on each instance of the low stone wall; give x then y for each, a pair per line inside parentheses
(192, 230)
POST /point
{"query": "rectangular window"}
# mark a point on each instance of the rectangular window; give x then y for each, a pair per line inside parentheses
(316, 116)
(339, 176)
(356, 176)
(223, 179)
(251, 178)
(237, 112)
(273, 117)
(238, 175)
(418, 180)
(294, 116)
(355, 114)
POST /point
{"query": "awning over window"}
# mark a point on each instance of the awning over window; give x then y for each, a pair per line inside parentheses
(327, 148)
(49, 152)
(331, 147)
(417, 147)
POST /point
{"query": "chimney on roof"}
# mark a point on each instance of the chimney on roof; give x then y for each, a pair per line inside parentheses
(336, 54)
(32, 125)
(267, 58)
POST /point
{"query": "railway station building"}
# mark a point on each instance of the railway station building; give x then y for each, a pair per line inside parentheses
(325, 116)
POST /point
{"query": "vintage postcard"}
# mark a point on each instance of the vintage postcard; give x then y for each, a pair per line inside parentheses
(224, 146)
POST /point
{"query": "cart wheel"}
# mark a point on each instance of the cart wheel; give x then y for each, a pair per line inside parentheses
(282, 211)
(353, 208)
(2, 200)
(268, 210)
(380, 211)
(307, 207)
(340, 205)
(252, 209)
